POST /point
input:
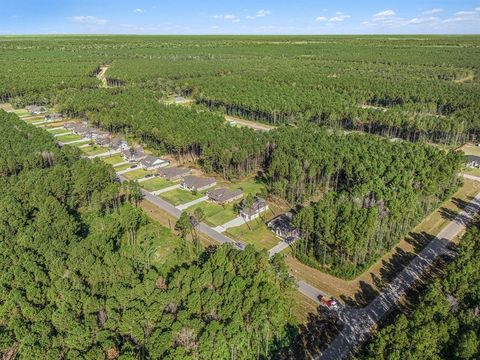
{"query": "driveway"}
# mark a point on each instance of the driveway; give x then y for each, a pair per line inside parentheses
(170, 188)
(238, 221)
(191, 203)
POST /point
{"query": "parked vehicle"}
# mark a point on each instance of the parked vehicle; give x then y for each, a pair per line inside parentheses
(329, 303)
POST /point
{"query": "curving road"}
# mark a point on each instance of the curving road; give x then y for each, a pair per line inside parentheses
(357, 323)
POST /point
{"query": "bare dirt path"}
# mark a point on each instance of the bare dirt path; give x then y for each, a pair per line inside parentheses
(248, 123)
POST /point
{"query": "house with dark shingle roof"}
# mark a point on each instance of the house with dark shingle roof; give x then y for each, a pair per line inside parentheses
(150, 162)
(133, 154)
(173, 173)
(283, 228)
(53, 117)
(253, 211)
(473, 161)
(195, 183)
(223, 196)
(35, 109)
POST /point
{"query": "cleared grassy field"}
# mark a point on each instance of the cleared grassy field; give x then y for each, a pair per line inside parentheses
(114, 159)
(21, 112)
(94, 150)
(180, 196)
(255, 233)
(471, 150)
(216, 214)
(249, 186)
(137, 174)
(68, 138)
(123, 167)
(57, 131)
(157, 183)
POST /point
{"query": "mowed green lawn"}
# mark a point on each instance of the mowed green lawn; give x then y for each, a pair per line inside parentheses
(114, 159)
(249, 186)
(94, 150)
(58, 131)
(259, 235)
(471, 150)
(123, 167)
(21, 112)
(68, 138)
(216, 214)
(472, 171)
(180, 196)
(137, 174)
(157, 183)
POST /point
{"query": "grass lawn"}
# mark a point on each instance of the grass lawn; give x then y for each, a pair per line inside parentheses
(137, 174)
(180, 196)
(123, 167)
(57, 131)
(472, 171)
(94, 150)
(114, 159)
(249, 186)
(86, 142)
(157, 183)
(21, 112)
(216, 214)
(471, 150)
(34, 119)
(68, 138)
(258, 234)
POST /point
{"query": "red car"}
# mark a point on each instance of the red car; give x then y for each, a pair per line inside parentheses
(329, 303)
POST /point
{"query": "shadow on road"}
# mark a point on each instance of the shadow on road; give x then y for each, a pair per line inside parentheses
(313, 337)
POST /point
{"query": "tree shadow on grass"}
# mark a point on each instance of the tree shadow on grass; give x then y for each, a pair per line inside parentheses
(362, 297)
(311, 338)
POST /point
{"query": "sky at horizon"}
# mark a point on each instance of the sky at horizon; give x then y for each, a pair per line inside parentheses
(239, 17)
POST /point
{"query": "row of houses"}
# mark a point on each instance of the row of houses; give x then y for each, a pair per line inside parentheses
(38, 110)
(147, 162)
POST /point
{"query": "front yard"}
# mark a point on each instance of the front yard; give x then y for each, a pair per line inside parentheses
(215, 214)
(255, 233)
(114, 159)
(123, 167)
(156, 183)
(137, 174)
(94, 150)
(68, 138)
(180, 196)
(58, 131)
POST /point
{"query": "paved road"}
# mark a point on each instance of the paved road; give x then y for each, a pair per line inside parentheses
(358, 322)
(471, 177)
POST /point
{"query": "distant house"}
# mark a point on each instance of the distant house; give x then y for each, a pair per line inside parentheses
(96, 134)
(253, 211)
(71, 126)
(103, 141)
(473, 161)
(173, 173)
(53, 117)
(35, 109)
(133, 154)
(81, 130)
(151, 162)
(224, 196)
(195, 183)
(118, 144)
(282, 227)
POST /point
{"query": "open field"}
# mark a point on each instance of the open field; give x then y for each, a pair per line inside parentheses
(470, 149)
(156, 183)
(249, 186)
(21, 112)
(68, 138)
(57, 131)
(366, 286)
(180, 196)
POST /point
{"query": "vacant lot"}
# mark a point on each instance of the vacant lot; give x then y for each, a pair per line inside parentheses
(249, 186)
(180, 196)
(58, 131)
(156, 183)
(68, 138)
(123, 167)
(114, 159)
(21, 112)
(470, 149)
(255, 233)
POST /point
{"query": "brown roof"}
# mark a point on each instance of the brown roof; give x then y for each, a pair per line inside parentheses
(223, 195)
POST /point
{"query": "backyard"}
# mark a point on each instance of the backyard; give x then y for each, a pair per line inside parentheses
(180, 196)
(215, 214)
(114, 159)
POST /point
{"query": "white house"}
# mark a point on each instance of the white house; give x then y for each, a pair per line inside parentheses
(151, 162)
(254, 210)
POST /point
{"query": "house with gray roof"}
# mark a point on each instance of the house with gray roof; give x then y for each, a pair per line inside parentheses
(283, 228)
(35, 109)
(195, 183)
(473, 161)
(253, 211)
(173, 173)
(223, 196)
(133, 154)
(53, 117)
(118, 144)
(150, 162)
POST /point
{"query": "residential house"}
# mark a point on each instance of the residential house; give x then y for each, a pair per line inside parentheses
(53, 117)
(195, 183)
(151, 162)
(96, 134)
(118, 144)
(223, 196)
(253, 211)
(173, 173)
(473, 161)
(71, 126)
(133, 154)
(35, 109)
(283, 228)
(103, 141)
